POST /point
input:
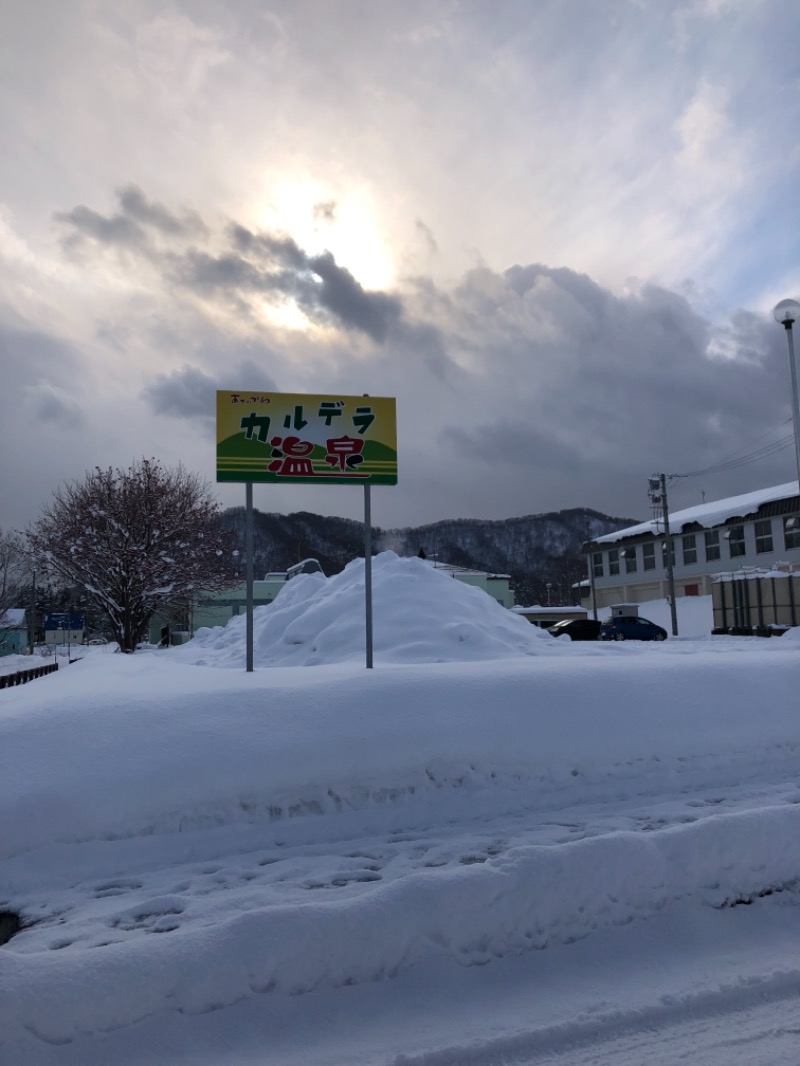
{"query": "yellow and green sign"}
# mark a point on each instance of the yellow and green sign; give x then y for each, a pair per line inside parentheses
(302, 439)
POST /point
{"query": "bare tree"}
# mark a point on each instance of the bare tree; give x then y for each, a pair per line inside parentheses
(139, 541)
(15, 575)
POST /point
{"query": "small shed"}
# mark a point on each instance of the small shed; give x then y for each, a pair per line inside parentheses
(624, 610)
(13, 632)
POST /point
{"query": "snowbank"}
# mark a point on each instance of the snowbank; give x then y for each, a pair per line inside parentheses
(420, 615)
(185, 837)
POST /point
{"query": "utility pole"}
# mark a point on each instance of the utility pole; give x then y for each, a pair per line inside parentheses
(658, 496)
(590, 560)
(32, 622)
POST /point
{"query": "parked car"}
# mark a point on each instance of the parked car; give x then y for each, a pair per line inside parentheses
(630, 627)
(576, 629)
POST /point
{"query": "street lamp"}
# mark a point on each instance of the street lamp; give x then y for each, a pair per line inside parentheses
(32, 623)
(786, 314)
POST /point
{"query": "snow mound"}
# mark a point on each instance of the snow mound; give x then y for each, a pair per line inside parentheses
(420, 615)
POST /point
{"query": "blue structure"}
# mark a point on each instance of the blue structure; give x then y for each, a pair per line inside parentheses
(64, 627)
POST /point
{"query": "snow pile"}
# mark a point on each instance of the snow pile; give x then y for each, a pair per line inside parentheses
(11, 664)
(420, 615)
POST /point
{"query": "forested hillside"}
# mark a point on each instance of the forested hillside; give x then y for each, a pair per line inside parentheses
(534, 549)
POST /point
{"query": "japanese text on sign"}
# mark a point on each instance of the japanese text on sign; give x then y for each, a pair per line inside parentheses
(282, 437)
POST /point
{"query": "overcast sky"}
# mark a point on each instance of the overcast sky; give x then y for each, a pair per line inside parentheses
(553, 229)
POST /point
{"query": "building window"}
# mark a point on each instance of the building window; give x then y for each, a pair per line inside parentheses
(597, 564)
(630, 560)
(791, 532)
(712, 545)
(735, 538)
(613, 561)
(649, 556)
(689, 549)
(763, 537)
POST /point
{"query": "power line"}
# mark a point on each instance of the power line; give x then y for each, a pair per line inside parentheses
(743, 459)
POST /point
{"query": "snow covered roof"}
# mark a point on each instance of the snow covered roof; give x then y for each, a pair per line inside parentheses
(707, 515)
(14, 616)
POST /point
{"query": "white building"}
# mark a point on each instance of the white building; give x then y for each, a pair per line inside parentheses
(758, 529)
(496, 585)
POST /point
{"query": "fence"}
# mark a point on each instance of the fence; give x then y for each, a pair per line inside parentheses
(753, 600)
(21, 677)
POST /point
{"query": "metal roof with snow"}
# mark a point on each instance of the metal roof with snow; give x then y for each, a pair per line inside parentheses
(708, 515)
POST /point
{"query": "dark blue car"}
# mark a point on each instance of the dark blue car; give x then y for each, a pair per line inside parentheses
(629, 627)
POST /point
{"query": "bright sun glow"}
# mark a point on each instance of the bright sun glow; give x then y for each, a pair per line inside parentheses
(321, 218)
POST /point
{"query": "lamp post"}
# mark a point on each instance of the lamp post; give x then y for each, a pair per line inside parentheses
(786, 314)
(32, 623)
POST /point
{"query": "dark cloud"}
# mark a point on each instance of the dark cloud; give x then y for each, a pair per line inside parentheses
(325, 212)
(374, 313)
(186, 393)
(56, 408)
(191, 393)
(128, 226)
(265, 264)
(578, 394)
(136, 206)
(232, 273)
(82, 222)
(520, 391)
(43, 417)
(280, 251)
(271, 264)
(28, 356)
(427, 235)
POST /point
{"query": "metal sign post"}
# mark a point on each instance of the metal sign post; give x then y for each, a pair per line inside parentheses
(248, 548)
(368, 572)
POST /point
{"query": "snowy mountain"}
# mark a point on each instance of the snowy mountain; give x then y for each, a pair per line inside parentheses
(534, 549)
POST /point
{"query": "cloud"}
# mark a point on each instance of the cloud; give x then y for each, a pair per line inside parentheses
(244, 265)
(357, 232)
(569, 393)
(84, 223)
(54, 407)
(374, 313)
(519, 391)
(191, 393)
(325, 212)
(129, 226)
(135, 205)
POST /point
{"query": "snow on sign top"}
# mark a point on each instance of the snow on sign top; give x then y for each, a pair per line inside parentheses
(302, 439)
(707, 514)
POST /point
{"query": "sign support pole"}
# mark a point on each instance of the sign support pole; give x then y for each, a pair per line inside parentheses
(248, 547)
(368, 571)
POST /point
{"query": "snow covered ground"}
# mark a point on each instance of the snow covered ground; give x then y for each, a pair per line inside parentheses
(494, 847)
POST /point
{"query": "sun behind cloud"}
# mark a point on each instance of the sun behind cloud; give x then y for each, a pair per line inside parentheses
(322, 217)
